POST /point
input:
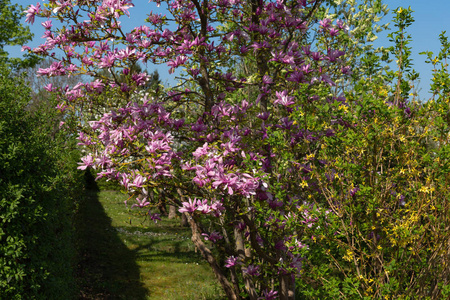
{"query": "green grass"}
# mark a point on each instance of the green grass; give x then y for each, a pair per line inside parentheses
(124, 255)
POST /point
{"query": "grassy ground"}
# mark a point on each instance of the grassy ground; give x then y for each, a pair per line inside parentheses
(124, 255)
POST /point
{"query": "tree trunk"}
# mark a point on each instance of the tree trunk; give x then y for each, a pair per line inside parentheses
(287, 287)
(206, 253)
(184, 221)
(240, 248)
(172, 212)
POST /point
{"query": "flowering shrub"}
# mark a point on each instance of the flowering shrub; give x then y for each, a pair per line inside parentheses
(289, 173)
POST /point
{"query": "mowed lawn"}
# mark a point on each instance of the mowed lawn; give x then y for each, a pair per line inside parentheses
(125, 255)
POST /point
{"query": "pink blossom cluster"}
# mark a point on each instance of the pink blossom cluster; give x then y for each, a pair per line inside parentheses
(211, 170)
(137, 129)
(215, 208)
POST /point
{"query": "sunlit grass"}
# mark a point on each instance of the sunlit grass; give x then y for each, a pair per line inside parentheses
(157, 261)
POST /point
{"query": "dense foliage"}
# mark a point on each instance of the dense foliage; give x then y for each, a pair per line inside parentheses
(39, 186)
(302, 166)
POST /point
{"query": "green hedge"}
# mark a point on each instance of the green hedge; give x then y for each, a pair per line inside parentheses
(39, 186)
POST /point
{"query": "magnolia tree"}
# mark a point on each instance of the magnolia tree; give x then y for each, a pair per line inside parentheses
(253, 143)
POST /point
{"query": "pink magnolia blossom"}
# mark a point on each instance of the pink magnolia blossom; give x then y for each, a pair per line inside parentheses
(141, 203)
(325, 23)
(213, 236)
(203, 206)
(252, 270)
(87, 161)
(284, 99)
(154, 217)
(31, 12)
(47, 24)
(189, 207)
(269, 295)
(231, 262)
(138, 181)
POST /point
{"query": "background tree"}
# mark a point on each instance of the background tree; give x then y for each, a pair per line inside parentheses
(13, 32)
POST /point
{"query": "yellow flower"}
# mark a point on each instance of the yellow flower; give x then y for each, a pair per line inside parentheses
(344, 108)
(304, 184)
(348, 256)
(424, 189)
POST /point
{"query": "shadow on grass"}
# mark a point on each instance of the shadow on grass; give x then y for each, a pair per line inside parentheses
(106, 268)
(155, 250)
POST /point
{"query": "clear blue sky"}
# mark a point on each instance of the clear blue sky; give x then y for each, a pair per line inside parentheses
(431, 18)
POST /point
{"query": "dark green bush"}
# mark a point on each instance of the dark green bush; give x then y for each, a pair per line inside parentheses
(39, 186)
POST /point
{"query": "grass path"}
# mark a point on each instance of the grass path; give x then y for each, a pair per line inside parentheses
(124, 255)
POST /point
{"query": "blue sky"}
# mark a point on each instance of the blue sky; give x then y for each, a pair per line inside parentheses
(431, 18)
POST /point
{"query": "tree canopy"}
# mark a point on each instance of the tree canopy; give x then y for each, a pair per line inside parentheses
(13, 32)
